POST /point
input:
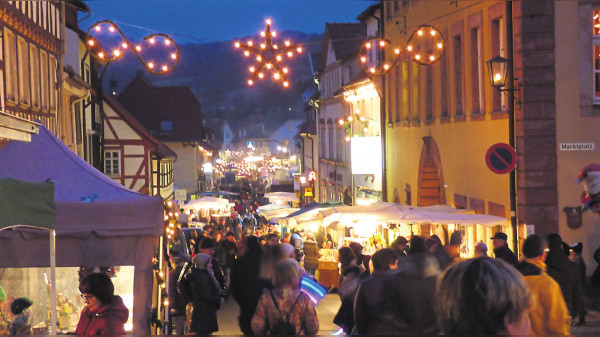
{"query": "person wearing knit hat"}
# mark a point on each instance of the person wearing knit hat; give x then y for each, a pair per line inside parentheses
(199, 286)
(20, 323)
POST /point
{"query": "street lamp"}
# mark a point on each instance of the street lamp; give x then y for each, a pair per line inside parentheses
(498, 71)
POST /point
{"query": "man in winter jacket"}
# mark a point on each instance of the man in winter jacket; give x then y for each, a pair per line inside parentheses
(566, 274)
(501, 250)
(225, 252)
(369, 297)
(548, 313)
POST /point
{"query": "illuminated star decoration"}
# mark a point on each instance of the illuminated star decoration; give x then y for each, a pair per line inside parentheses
(425, 46)
(269, 56)
(157, 52)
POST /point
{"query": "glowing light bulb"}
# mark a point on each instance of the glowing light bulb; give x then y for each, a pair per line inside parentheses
(368, 45)
(269, 66)
(362, 118)
(151, 65)
(350, 119)
(431, 58)
(299, 49)
(290, 54)
(386, 67)
(420, 32)
(251, 69)
(274, 46)
(278, 57)
(124, 45)
(287, 43)
(91, 42)
(397, 51)
(417, 57)
(261, 75)
(409, 48)
(258, 58)
(372, 70)
(347, 138)
(381, 43)
(341, 122)
(101, 55)
(286, 84)
(262, 46)
(432, 33)
(97, 28)
(174, 56)
(250, 43)
(250, 82)
(363, 59)
(276, 76)
(165, 68)
(138, 48)
(268, 21)
(262, 34)
(274, 34)
(116, 53)
(152, 41)
(111, 28)
(497, 77)
(285, 70)
(247, 53)
(237, 44)
(439, 45)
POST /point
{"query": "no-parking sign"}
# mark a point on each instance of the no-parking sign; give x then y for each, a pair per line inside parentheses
(501, 158)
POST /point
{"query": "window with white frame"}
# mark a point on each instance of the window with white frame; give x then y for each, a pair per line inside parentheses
(23, 65)
(44, 80)
(10, 65)
(53, 81)
(596, 40)
(111, 162)
(35, 75)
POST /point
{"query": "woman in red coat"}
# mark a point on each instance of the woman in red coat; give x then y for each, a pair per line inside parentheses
(104, 313)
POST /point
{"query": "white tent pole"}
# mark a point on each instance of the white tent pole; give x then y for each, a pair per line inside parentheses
(53, 317)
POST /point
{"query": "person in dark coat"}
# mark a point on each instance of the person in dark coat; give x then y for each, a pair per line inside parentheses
(246, 286)
(311, 255)
(577, 258)
(200, 287)
(104, 313)
(566, 274)
(176, 302)
(501, 250)
(207, 246)
(408, 307)
(367, 305)
(400, 244)
(225, 252)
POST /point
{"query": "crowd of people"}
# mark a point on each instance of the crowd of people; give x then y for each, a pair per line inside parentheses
(414, 286)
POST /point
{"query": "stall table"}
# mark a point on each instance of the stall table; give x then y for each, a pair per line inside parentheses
(328, 274)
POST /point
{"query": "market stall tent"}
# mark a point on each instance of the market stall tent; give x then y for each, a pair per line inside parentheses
(98, 221)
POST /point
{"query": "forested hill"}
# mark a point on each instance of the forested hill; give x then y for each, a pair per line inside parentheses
(217, 73)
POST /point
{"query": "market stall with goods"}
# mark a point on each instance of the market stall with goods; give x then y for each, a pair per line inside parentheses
(100, 225)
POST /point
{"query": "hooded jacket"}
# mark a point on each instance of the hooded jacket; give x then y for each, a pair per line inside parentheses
(108, 320)
(548, 314)
(567, 275)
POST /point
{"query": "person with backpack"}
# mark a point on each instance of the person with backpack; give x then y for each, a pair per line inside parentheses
(285, 310)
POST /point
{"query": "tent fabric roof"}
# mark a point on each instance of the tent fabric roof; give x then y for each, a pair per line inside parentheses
(23, 203)
(86, 199)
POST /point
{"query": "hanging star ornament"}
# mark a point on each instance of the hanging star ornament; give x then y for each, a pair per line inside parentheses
(269, 56)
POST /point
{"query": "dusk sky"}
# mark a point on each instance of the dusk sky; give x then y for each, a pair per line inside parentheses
(194, 21)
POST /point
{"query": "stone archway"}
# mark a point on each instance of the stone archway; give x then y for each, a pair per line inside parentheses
(431, 180)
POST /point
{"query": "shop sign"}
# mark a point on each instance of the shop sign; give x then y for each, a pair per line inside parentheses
(181, 195)
(308, 192)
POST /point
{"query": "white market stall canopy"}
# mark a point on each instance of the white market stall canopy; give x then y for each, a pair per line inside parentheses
(279, 213)
(206, 203)
(270, 207)
(382, 212)
(278, 197)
